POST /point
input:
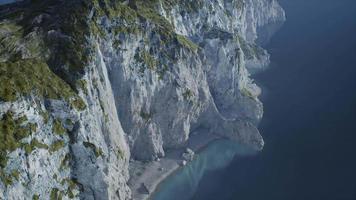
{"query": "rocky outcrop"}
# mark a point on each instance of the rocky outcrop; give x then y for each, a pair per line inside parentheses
(89, 84)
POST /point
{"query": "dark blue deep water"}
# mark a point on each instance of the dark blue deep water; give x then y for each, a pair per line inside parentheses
(310, 112)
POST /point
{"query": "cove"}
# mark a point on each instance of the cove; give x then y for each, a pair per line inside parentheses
(182, 184)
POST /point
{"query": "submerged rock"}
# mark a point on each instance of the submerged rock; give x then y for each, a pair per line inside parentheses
(188, 155)
(183, 163)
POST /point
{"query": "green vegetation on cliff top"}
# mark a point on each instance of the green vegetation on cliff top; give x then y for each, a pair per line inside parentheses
(12, 131)
(48, 75)
(29, 75)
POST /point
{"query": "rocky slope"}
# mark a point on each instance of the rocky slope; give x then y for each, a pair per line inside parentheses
(87, 85)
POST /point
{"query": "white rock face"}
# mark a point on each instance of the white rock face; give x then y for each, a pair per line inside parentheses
(210, 88)
(143, 97)
(98, 170)
(188, 155)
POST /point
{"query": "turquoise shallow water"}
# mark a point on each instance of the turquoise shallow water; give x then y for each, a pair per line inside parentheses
(185, 181)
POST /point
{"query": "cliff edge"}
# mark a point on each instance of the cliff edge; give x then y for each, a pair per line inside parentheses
(87, 85)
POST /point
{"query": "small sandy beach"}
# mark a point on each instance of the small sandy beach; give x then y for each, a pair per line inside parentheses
(146, 176)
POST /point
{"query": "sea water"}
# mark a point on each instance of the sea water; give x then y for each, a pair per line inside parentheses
(183, 184)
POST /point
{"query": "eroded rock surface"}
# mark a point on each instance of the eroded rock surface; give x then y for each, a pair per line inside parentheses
(87, 85)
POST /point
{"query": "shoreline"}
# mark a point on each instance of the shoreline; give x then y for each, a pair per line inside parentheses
(145, 177)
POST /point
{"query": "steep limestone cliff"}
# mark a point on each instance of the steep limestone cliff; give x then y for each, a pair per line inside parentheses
(87, 85)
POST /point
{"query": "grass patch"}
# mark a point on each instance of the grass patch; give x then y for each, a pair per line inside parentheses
(78, 104)
(246, 93)
(97, 151)
(187, 43)
(33, 145)
(12, 131)
(57, 145)
(8, 179)
(23, 77)
(56, 194)
(58, 127)
(148, 60)
(15, 174)
(83, 85)
(65, 161)
(35, 197)
(45, 116)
